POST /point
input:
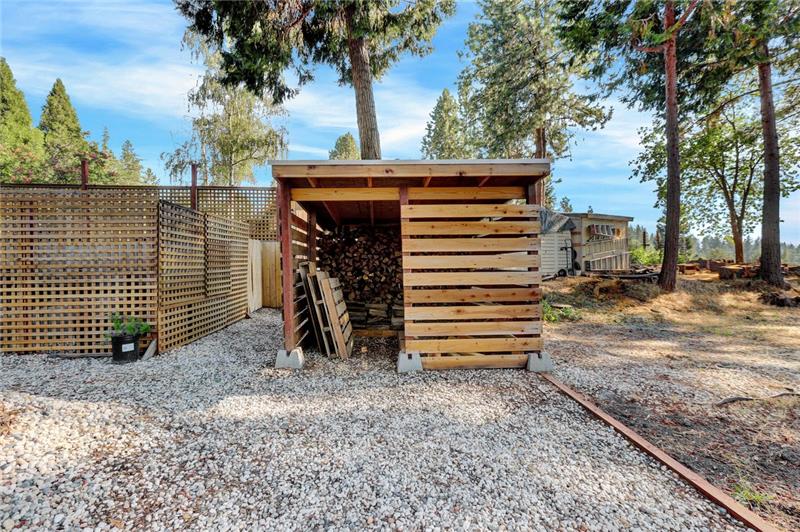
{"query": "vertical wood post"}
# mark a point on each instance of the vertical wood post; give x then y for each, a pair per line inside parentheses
(406, 304)
(311, 236)
(532, 198)
(287, 262)
(84, 174)
(194, 186)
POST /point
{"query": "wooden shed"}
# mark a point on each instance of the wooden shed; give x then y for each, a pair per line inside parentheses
(470, 249)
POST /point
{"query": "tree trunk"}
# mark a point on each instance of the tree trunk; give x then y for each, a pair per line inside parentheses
(368, 135)
(770, 269)
(669, 265)
(541, 153)
(738, 244)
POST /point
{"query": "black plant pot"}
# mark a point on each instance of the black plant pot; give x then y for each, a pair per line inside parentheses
(125, 348)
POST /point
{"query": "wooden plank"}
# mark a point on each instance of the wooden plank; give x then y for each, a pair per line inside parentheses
(474, 328)
(465, 193)
(504, 210)
(470, 278)
(346, 194)
(375, 333)
(467, 245)
(447, 262)
(471, 295)
(449, 227)
(474, 362)
(395, 169)
(316, 323)
(335, 313)
(474, 345)
(472, 312)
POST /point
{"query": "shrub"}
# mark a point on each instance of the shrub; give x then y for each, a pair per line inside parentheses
(646, 257)
(552, 314)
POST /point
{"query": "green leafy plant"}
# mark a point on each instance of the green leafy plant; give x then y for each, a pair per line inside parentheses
(745, 493)
(132, 326)
(646, 257)
(553, 314)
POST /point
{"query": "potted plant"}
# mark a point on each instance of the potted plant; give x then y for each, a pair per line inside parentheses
(125, 334)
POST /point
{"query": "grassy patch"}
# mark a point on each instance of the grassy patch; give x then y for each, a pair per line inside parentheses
(553, 314)
(745, 493)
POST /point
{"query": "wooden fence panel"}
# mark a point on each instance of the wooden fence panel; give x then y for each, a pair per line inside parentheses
(224, 297)
(71, 257)
(271, 290)
(470, 302)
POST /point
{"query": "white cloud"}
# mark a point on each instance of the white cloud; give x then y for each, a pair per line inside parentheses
(402, 106)
(140, 70)
(313, 150)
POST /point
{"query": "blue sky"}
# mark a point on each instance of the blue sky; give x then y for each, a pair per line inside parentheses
(124, 68)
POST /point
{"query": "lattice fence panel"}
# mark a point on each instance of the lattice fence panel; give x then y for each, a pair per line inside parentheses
(69, 258)
(471, 284)
(255, 206)
(222, 248)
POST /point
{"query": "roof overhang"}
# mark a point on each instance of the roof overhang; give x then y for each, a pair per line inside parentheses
(378, 169)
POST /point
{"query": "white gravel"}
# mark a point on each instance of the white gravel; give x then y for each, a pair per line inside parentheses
(210, 436)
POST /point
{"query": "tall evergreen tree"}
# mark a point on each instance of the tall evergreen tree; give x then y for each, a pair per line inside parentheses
(635, 45)
(64, 141)
(760, 35)
(21, 145)
(517, 90)
(445, 134)
(345, 148)
(130, 164)
(361, 39)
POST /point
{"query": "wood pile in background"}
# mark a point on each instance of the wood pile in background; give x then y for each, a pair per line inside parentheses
(376, 315)
(368, 262)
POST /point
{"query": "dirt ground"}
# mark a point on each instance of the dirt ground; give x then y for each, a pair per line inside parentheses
(674, 367)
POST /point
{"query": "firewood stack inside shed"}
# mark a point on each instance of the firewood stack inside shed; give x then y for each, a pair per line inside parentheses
(369, 263)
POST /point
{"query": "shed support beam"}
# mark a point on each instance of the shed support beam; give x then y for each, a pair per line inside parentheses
(311, 236)
(287, 262)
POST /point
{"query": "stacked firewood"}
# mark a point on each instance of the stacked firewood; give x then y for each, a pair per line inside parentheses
(367, 260)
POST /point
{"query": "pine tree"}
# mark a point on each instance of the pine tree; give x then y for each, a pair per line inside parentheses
(445, 133)
(345, 149)
(517, 91)
(565, 205)
(21, 145)
(359, 39)
(64, 141)
(130, 164)
(636, 45)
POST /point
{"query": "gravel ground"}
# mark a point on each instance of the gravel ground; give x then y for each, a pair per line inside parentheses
(210, 436)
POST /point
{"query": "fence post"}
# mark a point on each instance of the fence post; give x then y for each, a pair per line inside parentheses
(194, 186)
(84, 174)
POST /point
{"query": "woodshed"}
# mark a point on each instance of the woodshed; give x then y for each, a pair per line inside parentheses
(467, 251)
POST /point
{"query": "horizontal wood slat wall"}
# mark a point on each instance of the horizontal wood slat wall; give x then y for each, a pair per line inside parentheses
(471, 301)
(71, 257)
(203, 271)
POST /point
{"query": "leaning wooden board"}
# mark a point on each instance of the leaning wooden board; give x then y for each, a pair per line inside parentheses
(336, 310)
